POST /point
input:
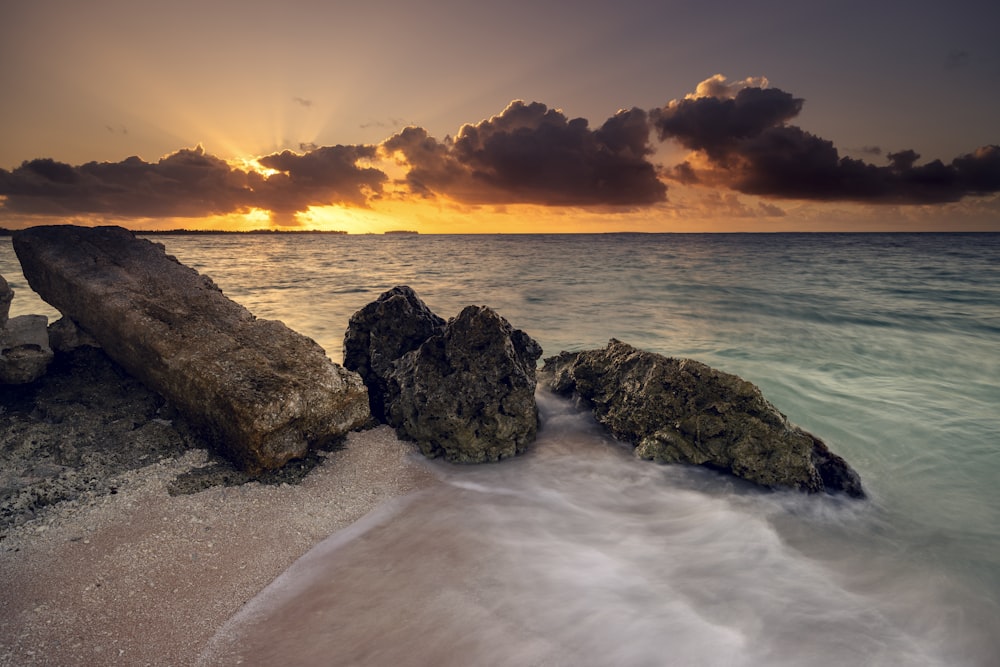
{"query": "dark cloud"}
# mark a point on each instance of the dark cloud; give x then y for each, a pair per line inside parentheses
(874, 151)
(739, 133)
(750, 147)
(328, 175)
(956, 59)
(187, 183)
(190, 183)
(302, 102)
(536, 155)
(388, 123)
(717, 126)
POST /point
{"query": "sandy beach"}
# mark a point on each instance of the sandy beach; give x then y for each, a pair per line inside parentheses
(141, 577)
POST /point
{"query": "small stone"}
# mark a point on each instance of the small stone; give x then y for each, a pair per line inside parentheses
(25, 354)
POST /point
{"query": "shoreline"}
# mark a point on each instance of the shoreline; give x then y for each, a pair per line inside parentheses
(140, 576)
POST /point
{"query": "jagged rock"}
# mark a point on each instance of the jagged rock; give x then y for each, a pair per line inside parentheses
(65, 336)
(262, 392)
(682, 411)
(6, 296)
(382, 332)
(468, 393)
(24, 349)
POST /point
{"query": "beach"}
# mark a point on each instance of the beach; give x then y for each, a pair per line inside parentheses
(575, 552)
(141, 577)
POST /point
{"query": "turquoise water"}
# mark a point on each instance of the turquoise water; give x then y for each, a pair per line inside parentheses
(887, 346)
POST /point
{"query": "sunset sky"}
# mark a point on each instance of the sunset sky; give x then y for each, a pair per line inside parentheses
(501, 117)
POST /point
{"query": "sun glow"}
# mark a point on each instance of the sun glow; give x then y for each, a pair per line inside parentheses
(252, 165)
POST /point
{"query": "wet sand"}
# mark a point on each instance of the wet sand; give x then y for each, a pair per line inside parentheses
(140, 577)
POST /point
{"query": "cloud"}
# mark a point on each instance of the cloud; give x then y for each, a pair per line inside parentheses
(956, 59)
(324, 176)
(187, 183)
(302, 102)
(717, 86)
(869, 150)
(392, 123)
(739, 136)
(531, 154)
(745, 143)
(190, 183)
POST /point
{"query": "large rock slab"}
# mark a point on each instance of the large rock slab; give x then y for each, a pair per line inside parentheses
(261, 391)
(380, 333)
(682, 411)
(468, 393)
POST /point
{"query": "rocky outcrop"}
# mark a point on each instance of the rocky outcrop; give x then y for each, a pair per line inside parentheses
(468, 394)
(682, 411)
(380, 333)
(24, 344)
(463, 390)
(262, 392)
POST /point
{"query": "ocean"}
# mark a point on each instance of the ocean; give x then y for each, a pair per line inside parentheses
(886, 346)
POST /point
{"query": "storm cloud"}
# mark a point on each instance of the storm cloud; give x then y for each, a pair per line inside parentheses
(531, 154)
(749, 146)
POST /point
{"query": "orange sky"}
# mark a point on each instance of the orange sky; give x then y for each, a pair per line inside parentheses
(458, 118)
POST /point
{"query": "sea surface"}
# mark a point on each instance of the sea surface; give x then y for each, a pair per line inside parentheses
(886, 346)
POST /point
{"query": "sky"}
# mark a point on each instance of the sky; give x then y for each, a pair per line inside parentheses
(464, 117)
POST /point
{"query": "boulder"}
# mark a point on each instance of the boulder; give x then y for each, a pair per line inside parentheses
(24, 349)
(261, 392)
(468, 393)
(682, 411)
(380, 333)
(65, 336)
(6, 296)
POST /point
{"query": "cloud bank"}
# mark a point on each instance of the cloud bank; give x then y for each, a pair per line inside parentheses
(530, 154)
(739, 135)
(747, 145)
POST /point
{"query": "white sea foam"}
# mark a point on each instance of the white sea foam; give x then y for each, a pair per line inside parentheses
(579, 554)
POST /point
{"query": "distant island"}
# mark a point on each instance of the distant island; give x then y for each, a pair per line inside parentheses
(241, 232)
(401, 231)
(186, 232)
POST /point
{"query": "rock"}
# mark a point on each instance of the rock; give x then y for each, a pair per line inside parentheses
(24, 349)
(65, 336)
(682, 411)
(61, 438)
(382, 332)
(468, 393)
(263, 393)
(6, 296)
